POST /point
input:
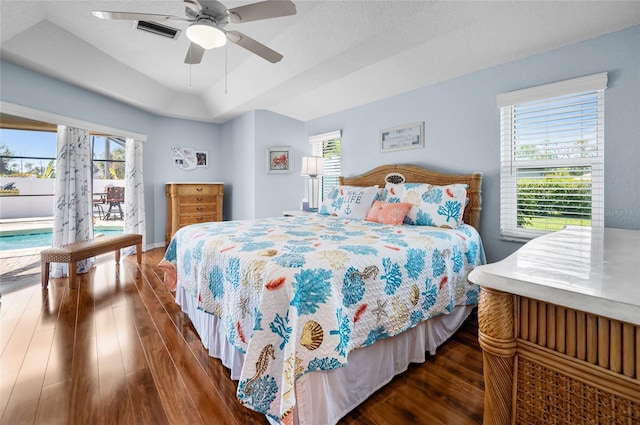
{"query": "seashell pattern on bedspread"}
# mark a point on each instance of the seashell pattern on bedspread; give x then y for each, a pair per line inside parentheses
(308, 290)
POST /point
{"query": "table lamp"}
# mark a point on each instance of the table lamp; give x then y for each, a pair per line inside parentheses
(313, 167)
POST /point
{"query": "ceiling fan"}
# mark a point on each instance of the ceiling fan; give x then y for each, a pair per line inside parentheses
(209, 18)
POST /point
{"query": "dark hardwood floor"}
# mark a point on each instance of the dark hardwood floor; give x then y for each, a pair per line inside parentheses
(118, 350)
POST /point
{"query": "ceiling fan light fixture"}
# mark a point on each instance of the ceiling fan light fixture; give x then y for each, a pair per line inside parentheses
(206, 34)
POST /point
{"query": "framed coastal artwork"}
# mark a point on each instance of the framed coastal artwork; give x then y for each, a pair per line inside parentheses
(184, 158)
(409, 136)
(202, 158)
(279, 159)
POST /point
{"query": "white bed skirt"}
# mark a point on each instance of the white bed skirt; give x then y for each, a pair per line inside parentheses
(322, 398)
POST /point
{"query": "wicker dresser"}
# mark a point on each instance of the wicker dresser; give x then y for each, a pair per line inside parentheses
(190, 203)
(559, 327)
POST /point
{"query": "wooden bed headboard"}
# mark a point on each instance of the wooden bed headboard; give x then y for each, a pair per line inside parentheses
(414, 174)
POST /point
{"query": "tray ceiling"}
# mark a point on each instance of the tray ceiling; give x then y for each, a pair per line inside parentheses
(337, 54)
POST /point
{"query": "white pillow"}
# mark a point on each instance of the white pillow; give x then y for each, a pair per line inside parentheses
(357, 202)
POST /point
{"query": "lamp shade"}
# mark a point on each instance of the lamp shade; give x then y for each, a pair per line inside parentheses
(312, 166)
(205, 34)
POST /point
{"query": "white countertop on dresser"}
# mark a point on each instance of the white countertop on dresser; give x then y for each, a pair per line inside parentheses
(194, 183)
(596, 271)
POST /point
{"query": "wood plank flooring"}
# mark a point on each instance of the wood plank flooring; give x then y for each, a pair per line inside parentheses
(118, 350)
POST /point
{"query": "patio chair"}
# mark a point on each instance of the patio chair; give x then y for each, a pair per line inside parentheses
(97, 208)
(98, 205)
(115, 197)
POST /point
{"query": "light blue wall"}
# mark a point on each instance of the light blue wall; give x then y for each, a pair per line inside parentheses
(158, 162)
(462, 125)
(278, 192)
(252, 192)
(237, 149)
(461, 133)
(238, 155)
(32, 90)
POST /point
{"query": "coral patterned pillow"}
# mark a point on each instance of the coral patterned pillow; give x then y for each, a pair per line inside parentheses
(328, 206)
(392, 193)
(439, 206)
(385, 213)
(333, 201)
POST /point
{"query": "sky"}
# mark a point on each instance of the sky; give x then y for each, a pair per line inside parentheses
(29, 143)
(35, 143)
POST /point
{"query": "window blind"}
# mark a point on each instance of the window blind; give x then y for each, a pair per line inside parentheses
(552, 152)
(328, 146)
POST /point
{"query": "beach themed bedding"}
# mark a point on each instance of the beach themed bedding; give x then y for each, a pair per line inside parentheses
(298, 294)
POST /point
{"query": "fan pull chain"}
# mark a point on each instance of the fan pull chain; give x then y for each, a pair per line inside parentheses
(190, 64)
(226, 61)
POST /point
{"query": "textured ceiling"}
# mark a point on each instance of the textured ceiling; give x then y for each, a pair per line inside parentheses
(337, 54)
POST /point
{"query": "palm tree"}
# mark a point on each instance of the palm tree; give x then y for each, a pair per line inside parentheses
(7, 167)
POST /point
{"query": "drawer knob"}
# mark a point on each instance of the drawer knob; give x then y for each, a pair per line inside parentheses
(199, 208)
(199, 189)
(199, 218)
(198, 199)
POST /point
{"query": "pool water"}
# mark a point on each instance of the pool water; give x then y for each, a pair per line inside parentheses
(34, 240)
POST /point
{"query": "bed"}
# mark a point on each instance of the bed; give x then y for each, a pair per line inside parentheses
(314, 313)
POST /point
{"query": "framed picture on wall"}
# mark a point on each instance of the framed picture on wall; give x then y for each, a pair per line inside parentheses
(184, 158)
(408, 136)
(279, 159)
(202, 158)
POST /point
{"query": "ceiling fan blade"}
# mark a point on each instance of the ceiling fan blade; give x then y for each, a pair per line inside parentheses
(193, 5)
(194, 54)
(263, 10)
(254, 46)
(132, 16)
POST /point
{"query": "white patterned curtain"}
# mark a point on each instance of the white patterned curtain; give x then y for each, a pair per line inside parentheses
(134, 220)
(72, 215)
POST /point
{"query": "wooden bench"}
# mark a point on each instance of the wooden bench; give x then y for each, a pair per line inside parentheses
(74, 252)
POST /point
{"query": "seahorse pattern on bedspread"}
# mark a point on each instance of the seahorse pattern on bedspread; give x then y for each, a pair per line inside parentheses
(298, 294)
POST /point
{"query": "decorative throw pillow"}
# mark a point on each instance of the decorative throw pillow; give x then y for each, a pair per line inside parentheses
(439, 206)
(392, 193)
(331, 203)
(357, 201)
(386, 213)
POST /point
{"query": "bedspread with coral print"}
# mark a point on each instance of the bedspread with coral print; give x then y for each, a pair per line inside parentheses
(298, 294)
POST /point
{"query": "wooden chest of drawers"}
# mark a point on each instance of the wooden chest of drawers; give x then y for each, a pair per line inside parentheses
(190, 203)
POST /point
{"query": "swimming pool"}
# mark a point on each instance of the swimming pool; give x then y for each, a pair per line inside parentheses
(39, 239)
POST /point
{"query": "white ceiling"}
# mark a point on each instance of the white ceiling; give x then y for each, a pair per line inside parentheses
(337, 54)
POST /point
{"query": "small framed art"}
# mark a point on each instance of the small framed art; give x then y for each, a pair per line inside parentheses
(184, 158)
(202, 158)
(279, 159)
(408, 136)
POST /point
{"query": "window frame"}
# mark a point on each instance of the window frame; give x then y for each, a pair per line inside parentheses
(331, 173)
(510, 163)
(107, 140)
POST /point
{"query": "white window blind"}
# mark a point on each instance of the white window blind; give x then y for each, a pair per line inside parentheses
(328, 146)
(552, 156)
